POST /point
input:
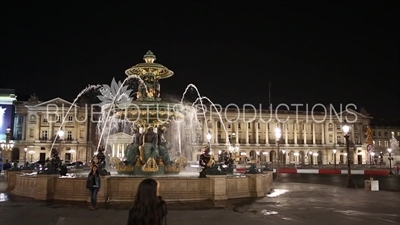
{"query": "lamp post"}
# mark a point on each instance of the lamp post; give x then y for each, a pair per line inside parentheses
(370, 162)
(278, 135)
(25, 150)
(233, 148)
(390, 160)
(334, 157)
(283, 158)
(8, 145)
(346, 129)
(31, 152)
(60, 134)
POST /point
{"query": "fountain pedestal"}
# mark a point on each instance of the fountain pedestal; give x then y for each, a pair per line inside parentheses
(217, 187)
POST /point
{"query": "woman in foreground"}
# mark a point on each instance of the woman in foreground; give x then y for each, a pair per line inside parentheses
(148, 207)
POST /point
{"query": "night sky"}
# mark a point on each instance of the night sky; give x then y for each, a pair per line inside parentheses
(310, 51)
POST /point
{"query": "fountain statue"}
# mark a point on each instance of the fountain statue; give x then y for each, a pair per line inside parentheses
(149, 152)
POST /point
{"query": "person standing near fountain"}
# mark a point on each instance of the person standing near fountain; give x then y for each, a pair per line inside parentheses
(93, 184)
(148, 207)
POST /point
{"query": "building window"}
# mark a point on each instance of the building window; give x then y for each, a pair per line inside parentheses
(70, 118)
(44, 135)
(379, 133)
(218, 124)
(229, 125)
(69, 136)
(338, 139)
(249, 125)
(58, 119)
(20, 119)
(238, 125)
(258, 125)
(373, 133)
(44, 120)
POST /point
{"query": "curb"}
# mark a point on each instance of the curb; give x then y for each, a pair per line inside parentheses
(327, 171)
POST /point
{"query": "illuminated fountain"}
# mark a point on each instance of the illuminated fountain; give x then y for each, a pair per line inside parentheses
(155, 125)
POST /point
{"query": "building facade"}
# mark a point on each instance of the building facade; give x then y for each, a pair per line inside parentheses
(303, 140)
(383, 138)
(44, 128)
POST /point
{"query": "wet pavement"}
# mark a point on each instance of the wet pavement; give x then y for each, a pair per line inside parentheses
(289, 203)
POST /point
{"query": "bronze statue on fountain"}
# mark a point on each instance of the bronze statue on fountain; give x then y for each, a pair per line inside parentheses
(148, 154)
(100, 161)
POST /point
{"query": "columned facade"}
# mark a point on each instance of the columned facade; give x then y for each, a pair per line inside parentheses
(304, 140)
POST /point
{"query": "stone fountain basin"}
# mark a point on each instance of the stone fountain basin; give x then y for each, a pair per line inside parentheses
(123, 188)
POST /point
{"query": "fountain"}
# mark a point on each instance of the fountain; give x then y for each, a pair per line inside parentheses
(150, 119)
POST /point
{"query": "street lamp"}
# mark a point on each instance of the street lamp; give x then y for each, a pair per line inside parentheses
(60, 134)
(334, 157)
(370, 162)
(31, 152)
(25, 150)
(278, 135)
(8, 145)
(390, 160)
(346, 129)
(209, 136)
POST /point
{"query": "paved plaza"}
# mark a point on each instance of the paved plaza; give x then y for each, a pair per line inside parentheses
(290, 203)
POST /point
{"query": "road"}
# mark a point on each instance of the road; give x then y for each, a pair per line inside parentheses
(386, 183)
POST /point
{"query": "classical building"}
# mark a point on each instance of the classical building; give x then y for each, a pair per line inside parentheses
(382, 136)
(44, 128)
(303, 140)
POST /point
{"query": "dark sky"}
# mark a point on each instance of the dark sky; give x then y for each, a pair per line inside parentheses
(311, 51)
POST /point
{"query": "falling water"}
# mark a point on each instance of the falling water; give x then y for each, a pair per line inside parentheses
(112, 104)
(198, 97)
(90, 87)
(216, 110)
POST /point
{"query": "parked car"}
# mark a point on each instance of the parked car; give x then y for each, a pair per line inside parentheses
(77, 165)
(38, 165)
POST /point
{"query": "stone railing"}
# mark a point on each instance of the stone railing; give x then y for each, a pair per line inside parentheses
(114, 188)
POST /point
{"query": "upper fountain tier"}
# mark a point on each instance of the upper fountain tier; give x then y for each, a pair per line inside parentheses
(141, 69)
